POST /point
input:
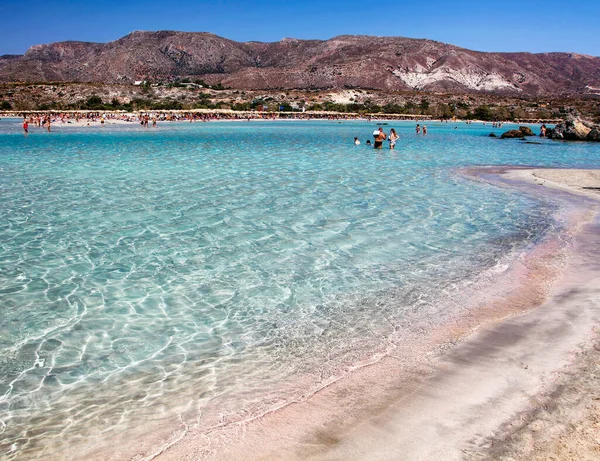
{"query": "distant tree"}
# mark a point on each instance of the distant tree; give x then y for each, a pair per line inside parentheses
(240, 106)
(167, 104)
(356, 107)
(94, 102)
(334, 107)
(392, 108)
(5, 105)
(518, 113)
(483, 113)
(45, 106)
(448, 110)
(204, 104)
(139, 103)
(543, 114)
(501, 113)
(409, 107)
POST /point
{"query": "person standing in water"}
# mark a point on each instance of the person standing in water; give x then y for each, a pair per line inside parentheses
(379, 138)
(25, 125)
(393, 137)
(424, 130)
(418, 129)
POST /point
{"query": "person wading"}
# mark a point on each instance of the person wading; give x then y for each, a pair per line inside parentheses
(379, 138)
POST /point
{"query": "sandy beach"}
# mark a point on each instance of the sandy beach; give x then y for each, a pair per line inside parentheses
(516, 377)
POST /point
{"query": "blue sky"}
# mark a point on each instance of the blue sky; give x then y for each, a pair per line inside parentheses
(501, 25)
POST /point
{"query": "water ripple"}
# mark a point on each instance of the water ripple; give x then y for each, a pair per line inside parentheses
(148, 274)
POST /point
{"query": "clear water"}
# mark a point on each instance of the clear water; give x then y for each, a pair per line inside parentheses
(152, 272)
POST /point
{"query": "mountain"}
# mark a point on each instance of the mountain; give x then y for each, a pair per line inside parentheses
(384, 63)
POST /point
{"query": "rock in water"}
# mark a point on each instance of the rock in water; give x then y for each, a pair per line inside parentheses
(575, 129)
(594, 134)
(492, 135)
(513, 134)
(526, 131)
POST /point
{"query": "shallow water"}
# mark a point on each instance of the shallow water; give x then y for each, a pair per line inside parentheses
(195, 270)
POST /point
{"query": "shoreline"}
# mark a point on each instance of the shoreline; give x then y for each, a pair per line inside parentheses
(239, 116)
(481, 383)
(496, 367)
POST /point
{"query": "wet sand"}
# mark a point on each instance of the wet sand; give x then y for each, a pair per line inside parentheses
(515, 376)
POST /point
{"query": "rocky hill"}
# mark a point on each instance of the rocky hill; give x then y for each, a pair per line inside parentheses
(384, 63)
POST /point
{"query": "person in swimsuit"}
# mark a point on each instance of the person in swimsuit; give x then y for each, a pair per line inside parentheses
(379, 138)
(393, 137)
(25, 125)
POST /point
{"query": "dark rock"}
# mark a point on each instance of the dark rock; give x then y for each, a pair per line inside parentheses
(492, 135)
(511, 134)
(526, 131)
(572, 129)
(594, 134)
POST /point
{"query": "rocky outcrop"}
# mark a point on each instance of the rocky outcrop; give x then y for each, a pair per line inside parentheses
(594, 134)
(576, 129)
(382, 63)
(519, 134)
(511, 134)
(526, 131)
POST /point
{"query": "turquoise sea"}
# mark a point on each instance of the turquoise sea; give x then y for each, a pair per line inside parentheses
(203, 273)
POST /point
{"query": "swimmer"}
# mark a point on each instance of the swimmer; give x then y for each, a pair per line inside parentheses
(418, 129)
(356, 141)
